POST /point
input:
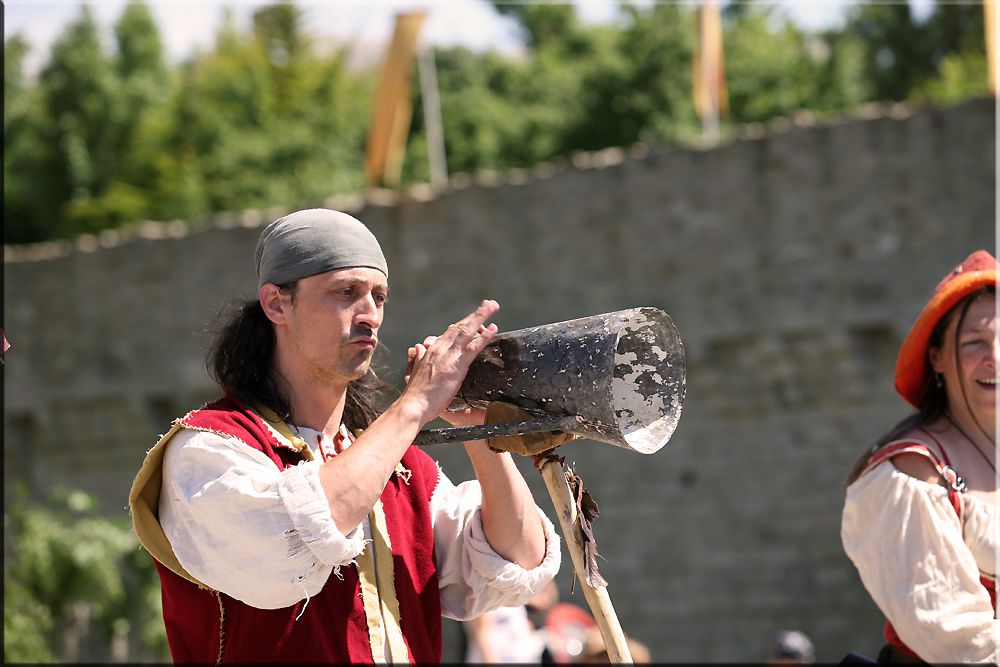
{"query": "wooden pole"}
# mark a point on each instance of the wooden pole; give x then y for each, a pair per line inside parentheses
(390, 123)
(432, 117)
(597, 598)
(989, 21)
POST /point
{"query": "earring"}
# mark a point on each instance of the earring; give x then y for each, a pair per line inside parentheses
(937, 380)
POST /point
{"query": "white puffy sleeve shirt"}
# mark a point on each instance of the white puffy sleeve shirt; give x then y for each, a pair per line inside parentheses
(906, 541)
(226, 509)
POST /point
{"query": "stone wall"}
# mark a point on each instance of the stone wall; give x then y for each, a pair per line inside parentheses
(792, 260)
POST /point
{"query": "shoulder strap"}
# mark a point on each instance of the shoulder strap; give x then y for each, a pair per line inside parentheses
(953, 482)
(940, 447)
(272, 419)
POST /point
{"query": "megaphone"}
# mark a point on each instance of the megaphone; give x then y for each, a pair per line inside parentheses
(617, 378)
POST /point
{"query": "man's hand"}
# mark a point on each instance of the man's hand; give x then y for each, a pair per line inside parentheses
(468, 416)
(434, 375)
(437, 366)
(526, 444)
(354, 479)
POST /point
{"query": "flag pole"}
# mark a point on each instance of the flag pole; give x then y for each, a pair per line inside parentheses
(391, 111)
(989, 21)
(708, 75)
(437, 161)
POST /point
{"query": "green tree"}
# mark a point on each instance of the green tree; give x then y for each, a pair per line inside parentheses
(542, 23)
(23, 146)
(16, 92)
(278, 30)
(79, 95)
(840, 82)
(955, 28)
(580, 88)
(897, 53)
(498, 113)
(263, 121)
(264, 118)
(135, 125)
(145, 84)
(769, 71)
(956, 40)
(62, 554)
(638, 85)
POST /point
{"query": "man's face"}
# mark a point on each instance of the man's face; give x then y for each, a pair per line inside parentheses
(331, 325)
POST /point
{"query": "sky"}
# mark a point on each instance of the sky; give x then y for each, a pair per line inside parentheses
(188, 24)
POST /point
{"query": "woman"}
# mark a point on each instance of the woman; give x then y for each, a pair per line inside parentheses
(920, 521)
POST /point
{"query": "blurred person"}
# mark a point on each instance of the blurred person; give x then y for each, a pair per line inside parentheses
(791, 647)
(503, 635)
(920, 516)
(565, 629)
(510, 634)
(291, 520)
(596, 652)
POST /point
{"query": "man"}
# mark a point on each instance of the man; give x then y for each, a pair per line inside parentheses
(293, 521)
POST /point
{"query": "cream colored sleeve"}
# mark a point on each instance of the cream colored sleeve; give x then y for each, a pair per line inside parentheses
(472, 577)
(905, 539)
(242, 526)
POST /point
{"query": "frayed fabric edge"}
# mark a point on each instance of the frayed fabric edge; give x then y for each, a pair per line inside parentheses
(303, 610)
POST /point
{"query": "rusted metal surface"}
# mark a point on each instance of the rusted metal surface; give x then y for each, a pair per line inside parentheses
(440, 436)
(621, 373)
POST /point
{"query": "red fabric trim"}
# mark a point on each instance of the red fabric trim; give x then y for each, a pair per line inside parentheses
(191, 617)
(916, 447)
(232, 417)
(407, 514)
(889, 632)
(332, 628)
(951, 477)
(890, 636)
(991, 587)
(944, 454)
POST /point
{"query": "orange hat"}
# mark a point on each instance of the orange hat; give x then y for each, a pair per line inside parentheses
(977, 271)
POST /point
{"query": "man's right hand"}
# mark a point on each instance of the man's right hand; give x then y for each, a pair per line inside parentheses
(438, 366)
(354, 479)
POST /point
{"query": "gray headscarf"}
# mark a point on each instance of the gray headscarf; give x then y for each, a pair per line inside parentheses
(313, 241)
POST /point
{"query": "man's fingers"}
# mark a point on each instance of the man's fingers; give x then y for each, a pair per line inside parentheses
(487, 309)
(468, 337)
(411, 356)
(470, 325)
(418, 353)
(482, 339)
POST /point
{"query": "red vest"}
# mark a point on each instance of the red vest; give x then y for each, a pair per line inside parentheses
(955, 487)
(209, 626)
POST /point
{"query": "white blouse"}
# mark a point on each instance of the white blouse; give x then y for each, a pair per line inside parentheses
(226, 509)
(922, 566)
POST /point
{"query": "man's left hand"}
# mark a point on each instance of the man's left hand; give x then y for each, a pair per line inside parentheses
(525, 444)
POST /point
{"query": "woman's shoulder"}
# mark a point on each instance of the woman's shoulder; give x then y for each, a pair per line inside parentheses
(915, 453)
(917, 466)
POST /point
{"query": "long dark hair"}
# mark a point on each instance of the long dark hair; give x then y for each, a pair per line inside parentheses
(934, 401)
(241, 361)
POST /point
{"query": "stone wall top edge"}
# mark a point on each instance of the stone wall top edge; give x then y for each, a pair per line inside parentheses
(615, 156)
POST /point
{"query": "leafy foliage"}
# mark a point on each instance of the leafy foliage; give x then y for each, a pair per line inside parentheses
(267, 117)
(63, 555)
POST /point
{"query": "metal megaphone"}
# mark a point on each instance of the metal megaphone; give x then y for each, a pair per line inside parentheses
(617, 378)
